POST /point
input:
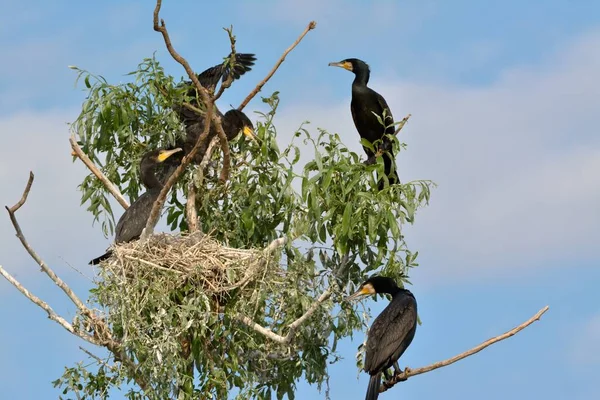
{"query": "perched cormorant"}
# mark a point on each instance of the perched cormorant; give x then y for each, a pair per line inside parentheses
(134, 219)
(365, 102)
(233, 121)
(392, 331)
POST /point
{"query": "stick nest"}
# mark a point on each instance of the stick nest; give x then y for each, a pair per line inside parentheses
(193, 259)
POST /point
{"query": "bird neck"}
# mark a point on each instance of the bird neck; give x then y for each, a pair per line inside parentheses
(361, 77)
(149, 179)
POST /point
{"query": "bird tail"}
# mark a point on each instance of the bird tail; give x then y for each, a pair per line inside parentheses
(373, 389)
(103, 257)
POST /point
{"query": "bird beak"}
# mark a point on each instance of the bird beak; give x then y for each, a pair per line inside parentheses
(363, 291)
(346, 65)
(164, 154)
(249, 132)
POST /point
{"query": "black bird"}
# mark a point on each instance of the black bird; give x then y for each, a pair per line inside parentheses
(134, 219)
(392, 331)
(233, 121)
(365, 102)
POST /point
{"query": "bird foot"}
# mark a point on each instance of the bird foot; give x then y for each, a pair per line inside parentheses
(400, 375)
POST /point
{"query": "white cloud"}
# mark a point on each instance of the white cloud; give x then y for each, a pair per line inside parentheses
(517, 162)
(585, 349)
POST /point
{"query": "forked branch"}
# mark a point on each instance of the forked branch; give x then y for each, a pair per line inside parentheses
(407, 373)
(161, 27)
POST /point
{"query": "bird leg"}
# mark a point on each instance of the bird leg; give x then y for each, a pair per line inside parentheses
(401, 375)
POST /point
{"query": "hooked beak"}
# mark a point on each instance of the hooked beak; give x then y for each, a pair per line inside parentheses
(249, 132)
(167, 153)
(346, 65)
(363, 291)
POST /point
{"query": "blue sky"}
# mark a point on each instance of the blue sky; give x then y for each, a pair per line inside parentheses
(504, 97)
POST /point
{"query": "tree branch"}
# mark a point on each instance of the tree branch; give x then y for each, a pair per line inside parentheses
(44, 306)
(59, 282)
(88, 163)
(190, 209)
(401, 124)
(312, 25)
(206, 99)
(407, 373)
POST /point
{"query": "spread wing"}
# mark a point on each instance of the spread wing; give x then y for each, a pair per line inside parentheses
(243, 63)
(210, 79)
(391, 333)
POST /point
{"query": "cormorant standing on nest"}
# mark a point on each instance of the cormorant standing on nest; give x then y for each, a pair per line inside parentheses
(391, 333)
(233, 121)
(365, 102)
(134, 219)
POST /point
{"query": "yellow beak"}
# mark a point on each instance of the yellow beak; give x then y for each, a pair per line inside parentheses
(164, 154)
(249, 132)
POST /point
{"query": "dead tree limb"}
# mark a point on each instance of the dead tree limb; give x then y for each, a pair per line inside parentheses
(161, 27)
(59, 282)
(312, 25)
(101, 335)
(407, 373)
(96, 171)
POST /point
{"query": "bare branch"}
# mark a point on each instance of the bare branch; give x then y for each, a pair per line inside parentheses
(275, 244)
(407, 373)
(190, 209)
(96, 171)
(211, 116)
(401, 124)
(311, 310)
(229, 80)
(287, 339)
(23, 199)
(312, 25)
(59, 282)
(262, 330)
(44, 306)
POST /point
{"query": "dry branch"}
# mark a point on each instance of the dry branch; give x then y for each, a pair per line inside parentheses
(401, 124)
(59, 282)
(161, 27)
(407, 373)
(312, 25)
(101, 333)
(96, 171)
(44, 306)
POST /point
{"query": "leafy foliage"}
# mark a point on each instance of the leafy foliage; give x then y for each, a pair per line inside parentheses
(338, 225)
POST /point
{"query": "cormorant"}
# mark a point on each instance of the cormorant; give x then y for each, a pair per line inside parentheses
(392, 331)
(233, 121)
(134, 219)
(366, 102)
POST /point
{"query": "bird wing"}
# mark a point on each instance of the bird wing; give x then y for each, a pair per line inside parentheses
(390, 333)
(389, 117)
(210, 78)
(134, 219)
(243, 63)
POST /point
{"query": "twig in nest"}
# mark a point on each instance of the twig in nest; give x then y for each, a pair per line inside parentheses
(407, 373)
(312, 25)
(96, 171)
